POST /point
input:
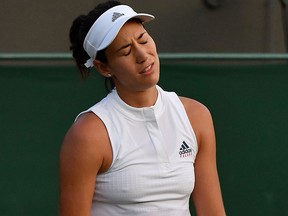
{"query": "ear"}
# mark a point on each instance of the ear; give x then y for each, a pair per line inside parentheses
(102, 68)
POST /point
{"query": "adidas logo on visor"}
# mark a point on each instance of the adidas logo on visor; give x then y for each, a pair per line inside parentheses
(116, 15)
(185, 150)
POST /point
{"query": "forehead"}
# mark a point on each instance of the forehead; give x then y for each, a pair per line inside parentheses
(131, 29)
(129, 32)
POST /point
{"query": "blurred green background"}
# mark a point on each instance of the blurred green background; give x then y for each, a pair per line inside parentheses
(249, 105)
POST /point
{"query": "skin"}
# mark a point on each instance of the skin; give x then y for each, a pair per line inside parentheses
(134, 66)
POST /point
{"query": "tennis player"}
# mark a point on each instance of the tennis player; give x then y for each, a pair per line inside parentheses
(140, 151)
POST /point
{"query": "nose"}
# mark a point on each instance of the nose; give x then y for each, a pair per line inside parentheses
(141, 54)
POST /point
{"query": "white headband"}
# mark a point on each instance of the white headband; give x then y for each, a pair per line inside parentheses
(106, 28)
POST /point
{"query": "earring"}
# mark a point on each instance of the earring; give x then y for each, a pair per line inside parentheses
(109, 75)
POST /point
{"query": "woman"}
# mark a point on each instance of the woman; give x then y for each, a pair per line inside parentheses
(135, 152)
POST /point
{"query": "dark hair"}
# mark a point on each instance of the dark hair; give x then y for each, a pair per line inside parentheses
(80, 27)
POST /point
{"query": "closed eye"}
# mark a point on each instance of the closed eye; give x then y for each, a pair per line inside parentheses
(142, 42)
(127, 53)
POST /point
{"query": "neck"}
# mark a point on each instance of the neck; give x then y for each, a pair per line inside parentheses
(138, 99)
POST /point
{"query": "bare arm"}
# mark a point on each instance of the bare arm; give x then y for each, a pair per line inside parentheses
(81, 158)
(206, 196)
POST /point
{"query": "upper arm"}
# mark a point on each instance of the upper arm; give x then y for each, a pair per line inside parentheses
(80, 160)
(206, 195)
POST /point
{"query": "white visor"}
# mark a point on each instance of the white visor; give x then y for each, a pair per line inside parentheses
(106, 28)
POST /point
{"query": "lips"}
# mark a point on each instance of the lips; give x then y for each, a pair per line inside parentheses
(146, 69)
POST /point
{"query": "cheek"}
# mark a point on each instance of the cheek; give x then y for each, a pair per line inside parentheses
(153, 45)
(122, 69)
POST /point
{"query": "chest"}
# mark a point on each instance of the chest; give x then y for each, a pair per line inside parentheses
(153, 160)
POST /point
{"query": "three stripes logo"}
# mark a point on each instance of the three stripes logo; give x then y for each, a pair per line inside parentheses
(185, 150)
(116, 15)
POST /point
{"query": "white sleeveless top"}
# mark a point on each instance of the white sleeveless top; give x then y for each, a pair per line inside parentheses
(154, 149)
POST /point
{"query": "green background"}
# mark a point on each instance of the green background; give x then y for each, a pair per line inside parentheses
(249, 104)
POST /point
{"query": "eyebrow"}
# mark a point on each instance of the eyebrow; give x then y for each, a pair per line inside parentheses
(127, 45)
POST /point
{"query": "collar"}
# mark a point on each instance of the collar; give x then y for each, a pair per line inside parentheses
(139, 114)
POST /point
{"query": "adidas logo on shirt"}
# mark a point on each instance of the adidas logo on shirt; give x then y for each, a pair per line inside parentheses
(185, 150)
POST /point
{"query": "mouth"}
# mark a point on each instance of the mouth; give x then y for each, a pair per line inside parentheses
(147, 69)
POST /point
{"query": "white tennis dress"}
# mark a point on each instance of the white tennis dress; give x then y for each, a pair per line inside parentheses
(154, 149)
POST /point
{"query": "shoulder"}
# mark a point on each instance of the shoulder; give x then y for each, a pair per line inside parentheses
(87, 141)
(194, 108)
(199, 116)
(82, 131)
(85, 126)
